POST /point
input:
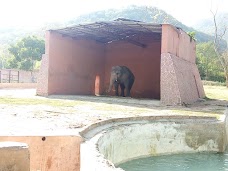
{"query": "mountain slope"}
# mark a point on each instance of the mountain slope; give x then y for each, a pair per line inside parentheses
(207, 25)
(139, 13)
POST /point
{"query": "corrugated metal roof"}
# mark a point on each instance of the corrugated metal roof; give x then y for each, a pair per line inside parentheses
(106, 32)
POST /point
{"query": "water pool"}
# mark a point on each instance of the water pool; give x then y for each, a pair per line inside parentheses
(179, 162)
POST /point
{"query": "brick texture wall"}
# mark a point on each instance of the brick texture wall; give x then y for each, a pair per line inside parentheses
(42, 81)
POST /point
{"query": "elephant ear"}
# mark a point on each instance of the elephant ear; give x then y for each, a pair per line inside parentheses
(113, 69)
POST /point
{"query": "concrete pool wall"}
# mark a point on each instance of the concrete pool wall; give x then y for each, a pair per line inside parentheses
(109, 143)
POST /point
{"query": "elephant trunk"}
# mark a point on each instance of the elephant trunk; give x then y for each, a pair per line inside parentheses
(112, 81)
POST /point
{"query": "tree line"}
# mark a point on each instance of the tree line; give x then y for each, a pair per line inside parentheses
(210, 68)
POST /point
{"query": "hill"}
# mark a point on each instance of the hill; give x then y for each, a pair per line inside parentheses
(139, 13)
(10, 35)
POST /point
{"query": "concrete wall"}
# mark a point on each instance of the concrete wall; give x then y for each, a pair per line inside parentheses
(143, 62)
(180, 79)
(14, 156)
(138, 140)
(74, 65)
(51, 153)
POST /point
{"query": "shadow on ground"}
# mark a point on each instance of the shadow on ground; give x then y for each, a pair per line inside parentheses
(208, 106)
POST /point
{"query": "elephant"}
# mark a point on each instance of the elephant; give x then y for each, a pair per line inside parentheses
(121, 75)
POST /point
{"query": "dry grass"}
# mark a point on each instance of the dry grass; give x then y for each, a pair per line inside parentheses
(217, 96)
(39, 101)
(216, 92)
(72, 112)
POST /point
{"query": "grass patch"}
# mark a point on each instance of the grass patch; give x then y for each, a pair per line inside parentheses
(216, 92)
(212, 92)
(31, 101)
(196, 113)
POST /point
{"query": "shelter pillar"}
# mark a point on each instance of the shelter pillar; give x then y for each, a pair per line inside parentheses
(180, 79)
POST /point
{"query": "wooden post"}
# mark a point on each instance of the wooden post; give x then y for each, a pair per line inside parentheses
(9, 75)
(18, 76)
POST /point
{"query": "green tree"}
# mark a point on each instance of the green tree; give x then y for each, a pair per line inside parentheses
(4, 56)
(219, 34)
(192, 35)
(225, 58)
(26, 52)
(209, 66)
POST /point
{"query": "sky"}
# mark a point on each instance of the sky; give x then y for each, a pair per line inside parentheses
(33, 13)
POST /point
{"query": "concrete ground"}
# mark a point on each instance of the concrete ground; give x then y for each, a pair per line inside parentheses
(28, 114)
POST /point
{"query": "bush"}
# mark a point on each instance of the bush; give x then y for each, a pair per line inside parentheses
(213, 83)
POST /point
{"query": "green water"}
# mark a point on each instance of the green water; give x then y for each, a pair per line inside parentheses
(179, 162)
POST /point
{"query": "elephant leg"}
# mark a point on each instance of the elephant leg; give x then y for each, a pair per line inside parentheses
(116, 86)
(128, 87)
(122, 89)
(127, 92)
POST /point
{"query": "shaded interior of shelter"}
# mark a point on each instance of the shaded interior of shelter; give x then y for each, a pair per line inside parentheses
(81, 57)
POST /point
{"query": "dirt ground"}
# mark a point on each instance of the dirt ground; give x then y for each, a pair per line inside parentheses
(45, 119)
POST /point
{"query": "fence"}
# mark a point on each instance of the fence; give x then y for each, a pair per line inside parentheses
(17, 76)
(9, 77)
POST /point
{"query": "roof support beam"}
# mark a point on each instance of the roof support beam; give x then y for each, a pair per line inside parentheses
(115, 37)
(119, 30)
